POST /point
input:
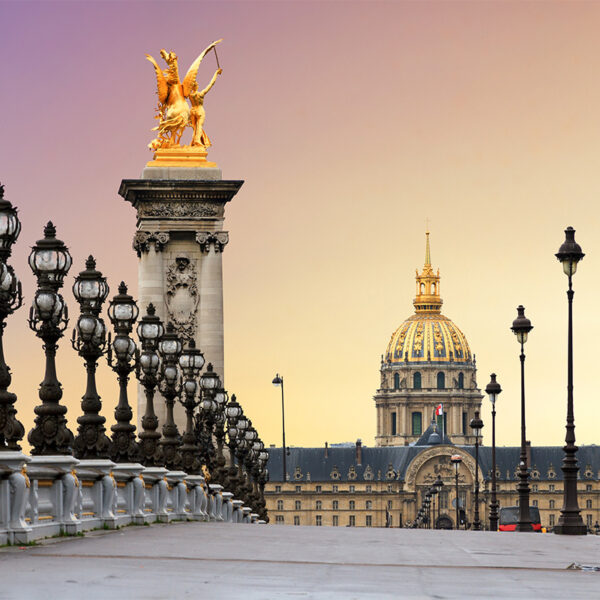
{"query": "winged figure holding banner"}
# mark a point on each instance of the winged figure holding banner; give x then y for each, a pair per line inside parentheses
(174, 113)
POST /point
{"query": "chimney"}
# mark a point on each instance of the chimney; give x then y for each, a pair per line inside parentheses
(358, 452)
(326, 450)
(528, 451)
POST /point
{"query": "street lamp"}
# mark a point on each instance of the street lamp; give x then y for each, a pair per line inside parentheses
(89, 340)
(50, 262)
(433, 491)
(278, 381)
(439, 484)
(476, 425)
(493, 389)
(11, 298)
(427, 511)
(521, 327)
(570, 521)
(123, 312)
(150, 330)
(456, 459)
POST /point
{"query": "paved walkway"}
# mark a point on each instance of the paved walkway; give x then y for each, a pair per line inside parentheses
(213, 560)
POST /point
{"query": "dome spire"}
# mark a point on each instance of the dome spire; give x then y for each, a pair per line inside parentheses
(428, 285)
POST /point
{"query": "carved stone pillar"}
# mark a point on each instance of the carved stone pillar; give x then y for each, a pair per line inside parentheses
(179, 241)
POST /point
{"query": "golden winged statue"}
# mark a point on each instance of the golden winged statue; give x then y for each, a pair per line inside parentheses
(175, 114)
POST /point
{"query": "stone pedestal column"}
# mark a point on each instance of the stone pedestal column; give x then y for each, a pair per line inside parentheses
(179, 241)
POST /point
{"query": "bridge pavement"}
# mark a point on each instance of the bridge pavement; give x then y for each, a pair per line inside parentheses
(222, 560)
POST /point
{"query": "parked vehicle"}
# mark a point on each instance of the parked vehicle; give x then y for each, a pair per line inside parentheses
(509, 517)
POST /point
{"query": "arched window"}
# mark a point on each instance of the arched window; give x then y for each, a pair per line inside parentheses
(422, 288)
(416, 424)
(396, 381)
(441, 381)
(417, 381)
(433, 288)
(461, 381)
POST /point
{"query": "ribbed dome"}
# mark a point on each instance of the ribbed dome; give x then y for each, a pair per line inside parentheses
(428, 337)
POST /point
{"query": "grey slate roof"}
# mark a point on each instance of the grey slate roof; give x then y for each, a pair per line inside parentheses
(376, 461)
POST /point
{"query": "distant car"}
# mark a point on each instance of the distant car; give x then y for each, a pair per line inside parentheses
(509, 517)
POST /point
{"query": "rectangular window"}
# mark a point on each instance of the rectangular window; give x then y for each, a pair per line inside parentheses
(551, 487)
(277, 489)
(552, 520)
(279, 504)
(298, 505)
(393, 423)
(296, 520)
(588, 521)
(352, 521)
(534, 503)
(318, 489)
(464, 423)
(534, 487)
(368, 489)
(588, 487)
(443, 496)
(352, 489)
(416, 423)
(588, 504)
(390, 487)
(298, 489)
(335, 505)
(369, 521)
(335, 521)
(351, 507)
(462, 495)
(551, 504)
(319, 505)
(334, 489)
(279, 519)
(369, 504)
(389, 505)
(318, 520)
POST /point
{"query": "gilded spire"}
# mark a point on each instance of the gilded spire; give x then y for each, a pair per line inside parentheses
(428, 285)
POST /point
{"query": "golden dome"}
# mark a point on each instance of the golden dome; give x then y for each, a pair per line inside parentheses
(428, 336)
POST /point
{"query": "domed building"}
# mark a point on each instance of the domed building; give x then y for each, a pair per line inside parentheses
(428, 362)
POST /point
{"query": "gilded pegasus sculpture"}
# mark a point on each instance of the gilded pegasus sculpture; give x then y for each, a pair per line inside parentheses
(174, 112)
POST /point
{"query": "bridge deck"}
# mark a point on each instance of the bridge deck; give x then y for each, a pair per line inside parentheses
(214, 560)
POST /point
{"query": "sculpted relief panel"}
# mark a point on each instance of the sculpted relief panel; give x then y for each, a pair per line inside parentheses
(182, 297)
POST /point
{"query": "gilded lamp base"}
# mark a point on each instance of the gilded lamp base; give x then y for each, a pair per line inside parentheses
(187, 156)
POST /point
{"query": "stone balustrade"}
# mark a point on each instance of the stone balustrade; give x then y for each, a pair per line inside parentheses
(47, 496)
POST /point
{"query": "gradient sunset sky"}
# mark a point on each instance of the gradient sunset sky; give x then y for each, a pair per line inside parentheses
(352, 123)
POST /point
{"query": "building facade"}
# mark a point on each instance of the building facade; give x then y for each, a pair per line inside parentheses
(427, 363)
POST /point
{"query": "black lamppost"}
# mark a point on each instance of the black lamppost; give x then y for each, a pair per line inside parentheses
(50, 262)
(11, 298)
(456, 459)
(221, 399)
(170, 348)
(278, 381)
(150, 330)
(438, 485)
(191, 362)
(433, 491)
(493, 389)
(205, 418)
(89, 339)
(233, 411)
(123, 312)
(570, 521)
(427, 503)
(476, 425)
(521, 327)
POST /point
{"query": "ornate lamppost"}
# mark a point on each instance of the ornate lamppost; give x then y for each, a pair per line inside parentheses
(11, 298)
(50, 262)
(150, 331)
(191, 362)
(242, 425)
(456, 459)
(493, 389)
(427, 503)
(209, 384)
(521, 327)
(278, 381)
(570, 521)
(123, 312)
(221, 399)
(438, 484)
(89, 339)
(476, 425)
(433, 491)
(170, 348)
(233, 412)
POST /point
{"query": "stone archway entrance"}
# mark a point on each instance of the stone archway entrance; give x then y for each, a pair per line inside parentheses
(444, 522)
